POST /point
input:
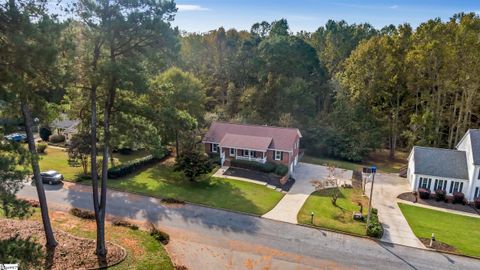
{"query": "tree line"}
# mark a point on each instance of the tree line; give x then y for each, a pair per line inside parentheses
(134, 81)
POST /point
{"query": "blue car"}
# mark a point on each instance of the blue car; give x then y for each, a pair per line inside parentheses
(16, 137)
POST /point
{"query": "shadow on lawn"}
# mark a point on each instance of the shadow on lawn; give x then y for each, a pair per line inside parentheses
(149, 209)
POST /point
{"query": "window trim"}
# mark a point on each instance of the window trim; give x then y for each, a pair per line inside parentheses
(214, 147)
(279, 153)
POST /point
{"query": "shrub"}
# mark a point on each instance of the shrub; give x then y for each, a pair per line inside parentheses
(27, 251)
(131, 166)
(458, 197)
(374, 228)
(159, 235)
(85, 214)
(41, 147)
(281, 170)
(125, 151)
(123, 223)
(424, 193)
(477, 202)
(267, 167)
(56, 138)
(215, 158)
(32, 203)
(440, 195)
(44, 133)
(172, 200)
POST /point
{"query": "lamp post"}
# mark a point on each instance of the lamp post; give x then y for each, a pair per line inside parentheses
(374, 171)
(36, 121)
(312, 214)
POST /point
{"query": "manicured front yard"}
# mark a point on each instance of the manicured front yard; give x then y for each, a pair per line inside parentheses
(143, 251)
(460, 232)
(162, 181)
(378, 158)
(338, 217)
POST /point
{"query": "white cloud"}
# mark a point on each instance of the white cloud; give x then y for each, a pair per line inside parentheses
(394, 7)
(186, 7)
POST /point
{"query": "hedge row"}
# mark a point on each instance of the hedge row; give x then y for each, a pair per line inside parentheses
(268, 167)
(133, 166)
(374, 229)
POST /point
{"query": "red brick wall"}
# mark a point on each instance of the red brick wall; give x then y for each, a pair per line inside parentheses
(285, 158)
(207, 148)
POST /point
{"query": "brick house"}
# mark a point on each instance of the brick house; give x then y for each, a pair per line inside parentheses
(253, 142)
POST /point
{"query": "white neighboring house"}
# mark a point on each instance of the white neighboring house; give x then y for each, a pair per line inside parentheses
(451, 170)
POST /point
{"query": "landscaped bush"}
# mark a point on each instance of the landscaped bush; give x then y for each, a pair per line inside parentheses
(32, 203)
(440, 195)
(45, 133)
(458, 197)
(424, 193)
(215, 158)
(26, 251)
(56, 138)
(123, 223)
(253, 165)
(159, 235)
(281, 170)
(375, 228)
(132, 166)
(85, 214)
(172, 200)
(477, 202)
(41, 147)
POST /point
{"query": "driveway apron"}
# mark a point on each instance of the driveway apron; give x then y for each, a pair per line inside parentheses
(385, 191)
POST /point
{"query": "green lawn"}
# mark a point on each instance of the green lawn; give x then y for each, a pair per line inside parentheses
(378, 158)
(338, 217)
(143, 251)
(57, 159)
(162, 181)
(461, 232)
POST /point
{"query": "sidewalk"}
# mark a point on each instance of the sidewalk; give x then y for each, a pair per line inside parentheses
(439, 209)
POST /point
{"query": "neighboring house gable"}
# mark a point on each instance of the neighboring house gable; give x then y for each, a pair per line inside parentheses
(452, 170)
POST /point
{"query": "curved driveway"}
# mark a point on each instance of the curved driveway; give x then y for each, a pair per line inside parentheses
(287, 209)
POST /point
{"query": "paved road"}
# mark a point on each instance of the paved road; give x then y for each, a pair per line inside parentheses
(385, 191)
(287, 209)
(204, 238)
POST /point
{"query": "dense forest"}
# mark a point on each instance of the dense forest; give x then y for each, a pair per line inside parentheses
(350, 88)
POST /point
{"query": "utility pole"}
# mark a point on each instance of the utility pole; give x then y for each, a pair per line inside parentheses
(374, 170)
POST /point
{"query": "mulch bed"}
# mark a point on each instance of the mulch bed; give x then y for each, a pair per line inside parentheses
(71, 252)
(408, 196)
(438, 245)
(259, 176)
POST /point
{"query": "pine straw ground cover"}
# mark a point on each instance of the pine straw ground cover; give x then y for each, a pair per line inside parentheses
(70, 253)
(143, 251)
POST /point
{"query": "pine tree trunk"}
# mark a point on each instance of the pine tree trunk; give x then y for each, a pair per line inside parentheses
(42, 199)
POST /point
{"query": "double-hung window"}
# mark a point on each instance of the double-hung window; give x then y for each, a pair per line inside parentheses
(246, 153)
(214, 148)
(232, 152)
(278, 155)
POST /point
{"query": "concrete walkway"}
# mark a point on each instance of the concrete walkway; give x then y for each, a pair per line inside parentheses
(287, 209)
(461, 213)
(220, 173)
(396, 229)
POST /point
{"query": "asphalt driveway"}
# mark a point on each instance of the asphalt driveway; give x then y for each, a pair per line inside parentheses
(287, 209)
(385, 191)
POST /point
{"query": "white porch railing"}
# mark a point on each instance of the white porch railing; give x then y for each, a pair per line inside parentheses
(261, 160)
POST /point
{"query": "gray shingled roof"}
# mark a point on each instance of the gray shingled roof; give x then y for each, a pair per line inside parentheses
(475, 140)
(440, 162)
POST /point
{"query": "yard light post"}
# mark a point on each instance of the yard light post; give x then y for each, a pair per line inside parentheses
(312, 214)
(432, 239)
(374, 170)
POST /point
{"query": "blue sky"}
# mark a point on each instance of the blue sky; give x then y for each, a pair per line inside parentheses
(205, 15)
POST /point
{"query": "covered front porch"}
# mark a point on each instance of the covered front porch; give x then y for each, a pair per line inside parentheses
(242, 147)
